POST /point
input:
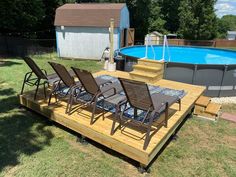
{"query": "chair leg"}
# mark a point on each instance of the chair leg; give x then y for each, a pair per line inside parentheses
(103, 110)
(166, 115)
(44, 90)
(179, 104)
(113, 126)
(114, 122)
(68, 105)
(135, 113)
(23, 86)
(94, 110)
(36, 91)
(70, 102)
(147, 139)
(49, 99)
(50, 96)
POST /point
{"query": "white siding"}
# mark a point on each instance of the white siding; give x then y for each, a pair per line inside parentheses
(231, 36)
(84, 42)
(124, 18)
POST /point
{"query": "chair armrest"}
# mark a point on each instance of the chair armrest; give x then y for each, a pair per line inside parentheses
(122, 102)
(104, 91)
(44, 71)
(104, 83)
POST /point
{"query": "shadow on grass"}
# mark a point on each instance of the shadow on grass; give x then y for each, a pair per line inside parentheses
(21, 132)
(8, 63)
(7, 92)
(9, 100)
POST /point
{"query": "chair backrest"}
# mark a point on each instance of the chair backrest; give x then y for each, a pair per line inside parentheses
(87, 80)
(34, 67)
(137, 93)
(63, 74)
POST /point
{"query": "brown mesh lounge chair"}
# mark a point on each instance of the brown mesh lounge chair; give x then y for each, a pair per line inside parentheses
(37, 77)
(66, 85)
(97, 92)
(139, 98)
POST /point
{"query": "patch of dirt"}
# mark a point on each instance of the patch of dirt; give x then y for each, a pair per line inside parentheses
(230, 108)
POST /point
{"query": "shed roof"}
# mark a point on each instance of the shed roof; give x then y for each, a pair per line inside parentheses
(89, 14)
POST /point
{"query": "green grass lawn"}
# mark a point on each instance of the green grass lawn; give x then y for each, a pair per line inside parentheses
(31, 146)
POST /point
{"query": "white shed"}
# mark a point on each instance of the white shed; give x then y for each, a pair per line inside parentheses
(154, 38)
(82, 30)
(231, 35)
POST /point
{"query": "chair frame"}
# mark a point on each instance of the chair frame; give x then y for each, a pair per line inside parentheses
(95, 95)
(69, 82)
(151, 112)
(40, 74)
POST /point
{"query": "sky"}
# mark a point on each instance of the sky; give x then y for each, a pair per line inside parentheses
(225, 7)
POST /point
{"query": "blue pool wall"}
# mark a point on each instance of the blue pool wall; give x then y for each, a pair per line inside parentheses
(219, 80)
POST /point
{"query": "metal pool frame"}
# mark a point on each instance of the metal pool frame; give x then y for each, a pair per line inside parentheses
(220, 80)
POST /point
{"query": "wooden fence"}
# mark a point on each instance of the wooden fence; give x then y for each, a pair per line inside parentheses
(220, 43)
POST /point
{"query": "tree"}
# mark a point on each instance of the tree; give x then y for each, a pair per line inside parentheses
(156, 22)
(170, 13)
(197, 19)
(139, 11)
(226, 23)
(20, 15)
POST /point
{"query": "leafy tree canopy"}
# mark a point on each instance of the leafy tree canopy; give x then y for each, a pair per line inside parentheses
(197, 19)
(226, 23)
(20, 15)
(191, 19)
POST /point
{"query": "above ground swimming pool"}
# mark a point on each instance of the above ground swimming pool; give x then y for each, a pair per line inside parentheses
(210, 67)
(191, 55)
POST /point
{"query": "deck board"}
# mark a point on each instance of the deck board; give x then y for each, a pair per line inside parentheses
(129, 141)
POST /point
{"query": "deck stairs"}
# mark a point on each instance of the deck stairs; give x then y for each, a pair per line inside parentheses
(204, 108)
(147, 71)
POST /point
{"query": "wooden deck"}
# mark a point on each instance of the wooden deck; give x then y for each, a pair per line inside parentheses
(129, 141)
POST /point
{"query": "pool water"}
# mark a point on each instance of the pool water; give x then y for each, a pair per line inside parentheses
(193, 55)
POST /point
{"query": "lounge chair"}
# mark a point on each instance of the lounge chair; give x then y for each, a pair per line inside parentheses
(63, 87)
(37, 77)
(67, 85)
(96, 91)
(139, 98)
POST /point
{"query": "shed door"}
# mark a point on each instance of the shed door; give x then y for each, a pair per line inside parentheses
(130, 36)
(122, 38)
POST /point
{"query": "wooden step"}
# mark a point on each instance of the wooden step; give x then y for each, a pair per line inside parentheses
(152, 63)
(213, 108)
(146, 68)
(145, 76)
(203, 101)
